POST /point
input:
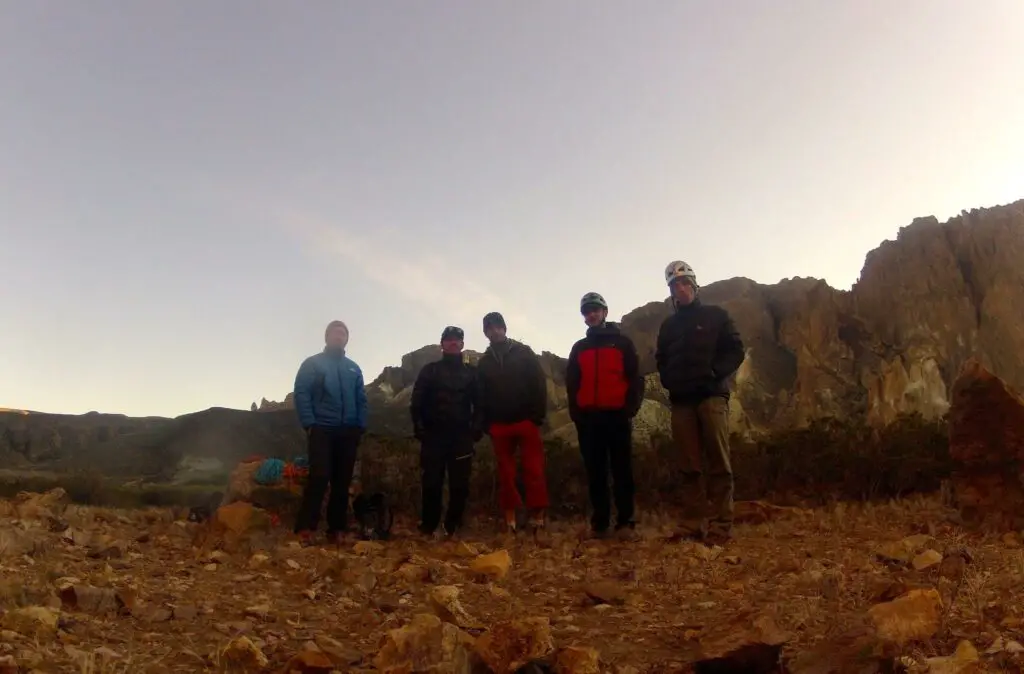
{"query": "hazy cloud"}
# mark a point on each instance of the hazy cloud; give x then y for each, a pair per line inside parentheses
(416, 273)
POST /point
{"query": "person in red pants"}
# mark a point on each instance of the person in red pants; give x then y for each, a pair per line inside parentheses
(513, 399)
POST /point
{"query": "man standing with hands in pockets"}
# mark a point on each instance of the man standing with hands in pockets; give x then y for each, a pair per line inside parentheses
(698, 350)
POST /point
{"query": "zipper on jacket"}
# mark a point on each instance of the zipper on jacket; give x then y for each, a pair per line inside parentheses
(341, 392)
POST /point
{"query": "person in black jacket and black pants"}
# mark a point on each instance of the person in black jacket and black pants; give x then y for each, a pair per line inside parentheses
(698, 351)
(447, 421)
(605, 390)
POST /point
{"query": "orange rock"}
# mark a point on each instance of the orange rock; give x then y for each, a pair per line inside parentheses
(425, 644)
(986, 444)
(507, 646)
(916, 616)
(309, 662)
(577, 660)
(235, 517)
(494, 565)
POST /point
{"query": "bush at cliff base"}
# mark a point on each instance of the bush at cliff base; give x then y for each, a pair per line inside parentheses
(829, 460)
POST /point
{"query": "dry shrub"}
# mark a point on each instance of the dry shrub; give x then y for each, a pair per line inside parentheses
(835, 459)
(830, 460)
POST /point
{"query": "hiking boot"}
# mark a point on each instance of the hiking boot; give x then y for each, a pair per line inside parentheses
(598, 534)
(540, 531)
(306, 538)
(694, 530)
(626, 533)
(510, 522)
(338, 538)
(718, 535)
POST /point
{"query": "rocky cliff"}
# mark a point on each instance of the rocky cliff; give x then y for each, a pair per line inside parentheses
(925, 302)
(937, 295)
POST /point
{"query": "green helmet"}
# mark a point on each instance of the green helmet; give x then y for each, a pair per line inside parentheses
(593, 299)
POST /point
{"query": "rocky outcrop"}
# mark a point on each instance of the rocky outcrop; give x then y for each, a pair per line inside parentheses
(924, 304)
(271, 406)
(937, 295)
(986, 444)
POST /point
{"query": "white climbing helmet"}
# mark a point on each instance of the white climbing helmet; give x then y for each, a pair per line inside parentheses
(679, 269)
(593, 298)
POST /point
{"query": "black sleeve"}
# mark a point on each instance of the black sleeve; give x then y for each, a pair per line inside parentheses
(419, 396)
(729, 353)
(481, 396)
(661, 350)
(572, 379)
(474, 396)
(539, 388)
(631, 370)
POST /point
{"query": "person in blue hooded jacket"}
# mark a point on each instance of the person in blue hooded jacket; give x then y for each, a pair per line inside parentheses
(330, 399)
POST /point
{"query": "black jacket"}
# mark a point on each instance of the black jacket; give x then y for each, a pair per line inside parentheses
(513, 387)
(698, 350)
(445, 399)
(603, 374)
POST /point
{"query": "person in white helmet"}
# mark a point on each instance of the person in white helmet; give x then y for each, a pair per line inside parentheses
(605, 390)
(697, 353)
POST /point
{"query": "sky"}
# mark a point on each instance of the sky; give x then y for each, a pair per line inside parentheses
(191, 191)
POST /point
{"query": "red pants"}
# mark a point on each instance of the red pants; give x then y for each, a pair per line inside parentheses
(505, 438)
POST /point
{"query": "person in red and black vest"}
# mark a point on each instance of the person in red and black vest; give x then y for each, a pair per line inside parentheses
(605, 391)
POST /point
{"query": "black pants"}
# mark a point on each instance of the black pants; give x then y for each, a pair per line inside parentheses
(439, 455)
(332, 458)
(607, 440)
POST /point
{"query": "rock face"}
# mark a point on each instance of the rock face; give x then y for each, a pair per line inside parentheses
(986, 443)
(939, 294)
(925, 303)
(271, 406)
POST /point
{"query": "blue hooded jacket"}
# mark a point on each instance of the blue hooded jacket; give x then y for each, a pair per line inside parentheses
(329, 391)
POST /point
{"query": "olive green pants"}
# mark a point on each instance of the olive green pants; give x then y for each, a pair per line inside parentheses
(701, 435)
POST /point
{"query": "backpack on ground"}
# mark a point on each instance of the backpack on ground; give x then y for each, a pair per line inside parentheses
(373, 513)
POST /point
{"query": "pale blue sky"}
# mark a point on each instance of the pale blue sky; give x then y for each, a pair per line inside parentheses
(190, 191)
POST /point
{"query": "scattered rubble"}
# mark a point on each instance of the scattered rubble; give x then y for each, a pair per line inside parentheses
(149, 590)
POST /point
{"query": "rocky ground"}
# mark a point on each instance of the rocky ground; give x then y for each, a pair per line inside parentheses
(94, 590)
